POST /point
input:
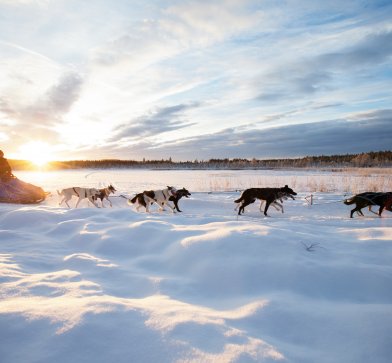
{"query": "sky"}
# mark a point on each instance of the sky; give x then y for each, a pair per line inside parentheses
(134, 79)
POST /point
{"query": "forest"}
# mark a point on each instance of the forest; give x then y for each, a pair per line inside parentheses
(363, 160)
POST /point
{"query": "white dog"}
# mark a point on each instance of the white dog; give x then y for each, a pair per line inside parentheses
(82, 193)
(158, 197)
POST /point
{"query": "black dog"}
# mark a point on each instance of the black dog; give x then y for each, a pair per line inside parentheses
(180, 193)
(368, 199)
(249, 196)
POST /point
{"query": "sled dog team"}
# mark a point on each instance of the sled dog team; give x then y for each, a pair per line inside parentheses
(270, 196)
(145, 199)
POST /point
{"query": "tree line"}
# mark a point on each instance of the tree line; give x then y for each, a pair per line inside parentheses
(369, 159)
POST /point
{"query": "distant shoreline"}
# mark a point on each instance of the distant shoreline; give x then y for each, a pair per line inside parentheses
(381, 159)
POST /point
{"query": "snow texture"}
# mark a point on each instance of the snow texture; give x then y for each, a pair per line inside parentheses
(115, 285)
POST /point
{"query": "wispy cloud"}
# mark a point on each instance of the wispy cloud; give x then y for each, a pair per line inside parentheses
(159, 121)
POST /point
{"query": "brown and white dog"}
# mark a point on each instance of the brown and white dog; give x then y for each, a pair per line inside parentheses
(81, 193)
(104, 194)
(159, 197)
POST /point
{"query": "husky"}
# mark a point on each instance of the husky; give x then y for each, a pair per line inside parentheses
(278, 206)
(81, 193)
(281, 197)
(179, 194)
(104, 194)
(270, 195)
(158, 197)
(367, 199)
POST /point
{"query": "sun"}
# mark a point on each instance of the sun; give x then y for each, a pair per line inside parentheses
(37, 152)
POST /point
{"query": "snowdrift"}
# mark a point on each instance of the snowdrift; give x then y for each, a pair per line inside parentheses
(113, 285)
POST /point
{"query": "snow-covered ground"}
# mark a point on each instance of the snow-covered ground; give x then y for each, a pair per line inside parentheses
(113, 285)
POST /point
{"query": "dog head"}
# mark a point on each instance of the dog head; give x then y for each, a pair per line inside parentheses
(183, 193)
(111, 189)
(287, 190)
(285, 196)
(172, 191)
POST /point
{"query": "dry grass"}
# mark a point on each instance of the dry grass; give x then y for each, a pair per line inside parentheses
(348, 181)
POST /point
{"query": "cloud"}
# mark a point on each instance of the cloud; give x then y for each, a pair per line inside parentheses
(370, 131)
(55, 102)
(178, 29)
(157, 122)
(49, 107)
(372, 50)
(38, 119)
(324, 72)
(63, 94)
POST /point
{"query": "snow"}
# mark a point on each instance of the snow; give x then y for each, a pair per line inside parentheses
(116, 285)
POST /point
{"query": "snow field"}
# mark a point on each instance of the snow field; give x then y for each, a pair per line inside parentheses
(111, 284)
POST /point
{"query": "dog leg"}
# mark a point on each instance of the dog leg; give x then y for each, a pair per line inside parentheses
(161, 207)
(242, 207)
(92, 201)
(147, 203)
(380, 210)
(361, 213)
(149, 200)
(172, 209)
(77, 203)
(278, 206)
(261, 203)
(65, 200)
(176, 206)
(358, 210)
(267, 204)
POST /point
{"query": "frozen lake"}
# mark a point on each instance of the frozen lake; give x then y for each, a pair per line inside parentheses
(130, 181)
(100, 285)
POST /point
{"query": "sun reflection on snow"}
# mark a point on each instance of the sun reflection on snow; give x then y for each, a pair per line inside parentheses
(372, 233)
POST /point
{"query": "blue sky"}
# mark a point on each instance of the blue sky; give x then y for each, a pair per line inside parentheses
(194, 79)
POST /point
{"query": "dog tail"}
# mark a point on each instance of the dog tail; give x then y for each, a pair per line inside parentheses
(349, 201)
(239, 200)
(133, 200)
(59, 193)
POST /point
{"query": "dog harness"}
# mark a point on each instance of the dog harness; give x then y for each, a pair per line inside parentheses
(85, 192)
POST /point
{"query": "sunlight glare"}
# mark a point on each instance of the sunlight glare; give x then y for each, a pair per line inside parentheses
(37, 152)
